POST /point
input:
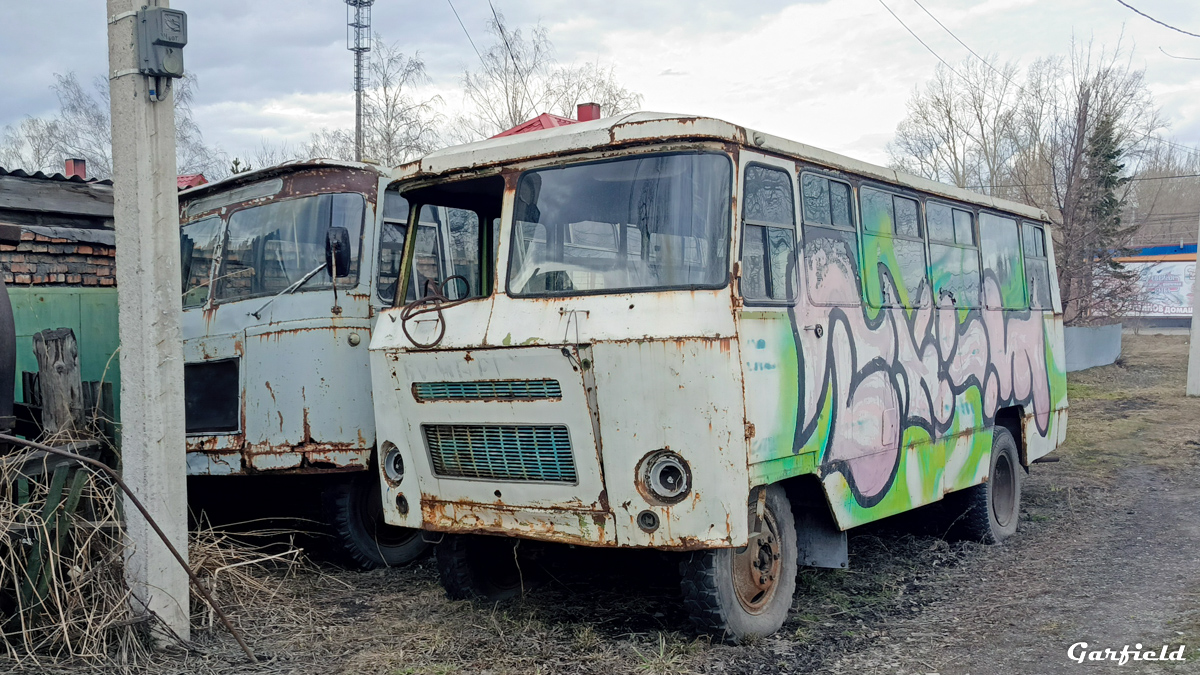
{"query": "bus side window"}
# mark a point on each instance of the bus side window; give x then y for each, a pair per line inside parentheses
(953, 256)
(768, 235)
(894, 271)
(1001, 249)
(1037, 267)
(830, 242)
(391, 244)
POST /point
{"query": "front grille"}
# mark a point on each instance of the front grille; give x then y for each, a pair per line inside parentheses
(211, 396)
(501, 452)
(488, 390)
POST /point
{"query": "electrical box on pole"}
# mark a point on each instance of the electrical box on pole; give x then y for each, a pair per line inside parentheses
(161, 36)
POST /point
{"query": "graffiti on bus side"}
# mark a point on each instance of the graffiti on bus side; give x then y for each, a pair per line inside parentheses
(885, 381)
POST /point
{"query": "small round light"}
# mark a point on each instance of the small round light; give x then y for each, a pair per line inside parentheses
(648, 521)
(402, 504)
(393, 463)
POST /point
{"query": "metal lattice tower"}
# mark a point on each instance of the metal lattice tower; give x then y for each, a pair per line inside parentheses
(358, 40)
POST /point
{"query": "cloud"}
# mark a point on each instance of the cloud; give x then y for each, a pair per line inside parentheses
(835, 74)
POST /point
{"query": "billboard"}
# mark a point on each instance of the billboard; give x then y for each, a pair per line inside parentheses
(1166, 287)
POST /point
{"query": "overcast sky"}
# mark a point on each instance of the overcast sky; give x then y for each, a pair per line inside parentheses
(835, 74)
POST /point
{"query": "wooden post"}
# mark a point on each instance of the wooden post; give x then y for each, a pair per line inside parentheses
(62, 388)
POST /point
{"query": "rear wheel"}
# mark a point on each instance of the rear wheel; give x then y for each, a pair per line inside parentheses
(990, 510)
(745, 593)
(355, 510)
(477, 567)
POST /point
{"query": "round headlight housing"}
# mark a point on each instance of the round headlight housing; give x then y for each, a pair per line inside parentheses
(664, 477)
(393, 463)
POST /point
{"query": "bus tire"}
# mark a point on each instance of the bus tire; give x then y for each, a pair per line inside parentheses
(991, 509)
(355, 511)
(720, 591)
(479, 568)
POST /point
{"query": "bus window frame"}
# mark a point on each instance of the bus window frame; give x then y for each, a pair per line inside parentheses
(930, 241)
(508, 230)
(787, 168)
(368, 216)
(1044, 257)
(1024, 306)
(851, 182)
(923, 239)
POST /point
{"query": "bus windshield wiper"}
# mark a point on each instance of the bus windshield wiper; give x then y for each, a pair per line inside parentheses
(290, 289)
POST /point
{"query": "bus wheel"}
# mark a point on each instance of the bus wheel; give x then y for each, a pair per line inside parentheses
(355, 510)
(745, 593)
(478, 567)
(991, 509)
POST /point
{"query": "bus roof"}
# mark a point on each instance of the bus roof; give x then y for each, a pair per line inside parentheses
(638, 127)
(276, 170)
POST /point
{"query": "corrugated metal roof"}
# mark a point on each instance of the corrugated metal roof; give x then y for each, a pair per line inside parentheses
(39, 175)
(543, 121)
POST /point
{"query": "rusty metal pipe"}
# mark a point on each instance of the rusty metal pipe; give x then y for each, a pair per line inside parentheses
(157, 530)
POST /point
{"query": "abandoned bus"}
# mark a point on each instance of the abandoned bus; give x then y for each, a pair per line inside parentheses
(695, 337)
(284, 271)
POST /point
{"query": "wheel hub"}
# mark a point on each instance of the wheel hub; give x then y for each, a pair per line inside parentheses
(757, 566)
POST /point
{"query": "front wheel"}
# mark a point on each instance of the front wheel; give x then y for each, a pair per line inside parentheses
(355, 510)
(745, 593)
(480, 567)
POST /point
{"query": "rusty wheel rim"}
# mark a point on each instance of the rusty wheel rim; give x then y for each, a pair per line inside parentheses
(756, 568)
(1004, 491)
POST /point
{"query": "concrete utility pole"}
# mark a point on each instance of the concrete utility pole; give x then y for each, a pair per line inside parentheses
(1193, 381)
(146, 213)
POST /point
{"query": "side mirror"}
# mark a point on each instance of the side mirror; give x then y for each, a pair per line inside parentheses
(337, 251)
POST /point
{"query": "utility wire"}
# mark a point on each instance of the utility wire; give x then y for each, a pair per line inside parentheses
(1147, 135)
(512, 57)
(1182, 58)
(1161, 23)
(465, 32)
(1127, 180)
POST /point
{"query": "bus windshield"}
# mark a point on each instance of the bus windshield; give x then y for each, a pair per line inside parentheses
(639, 223)
(270, 247)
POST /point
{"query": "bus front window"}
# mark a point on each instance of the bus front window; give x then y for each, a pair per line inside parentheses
(197, 243)
(271, 247)
(650, 222)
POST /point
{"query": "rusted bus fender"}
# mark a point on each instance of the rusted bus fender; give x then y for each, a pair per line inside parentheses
(314, 458)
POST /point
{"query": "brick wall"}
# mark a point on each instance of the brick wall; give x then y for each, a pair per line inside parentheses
(41, 260)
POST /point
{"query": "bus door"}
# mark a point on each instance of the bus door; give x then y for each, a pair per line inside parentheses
(768, 330)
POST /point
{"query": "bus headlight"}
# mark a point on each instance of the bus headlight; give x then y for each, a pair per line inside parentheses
(393, 463)
(664, 477)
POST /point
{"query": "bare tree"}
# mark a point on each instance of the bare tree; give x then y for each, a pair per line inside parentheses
(1066, 141)
(31, 145)
(83, 129)
(398, 126)
(519, 78)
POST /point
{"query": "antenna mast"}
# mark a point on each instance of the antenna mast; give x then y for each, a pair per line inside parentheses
(358, 40)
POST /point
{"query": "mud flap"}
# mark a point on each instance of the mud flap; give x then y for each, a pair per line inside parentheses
(820, 542)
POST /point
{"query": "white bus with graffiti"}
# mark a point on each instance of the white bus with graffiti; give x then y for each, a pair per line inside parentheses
(691, 336)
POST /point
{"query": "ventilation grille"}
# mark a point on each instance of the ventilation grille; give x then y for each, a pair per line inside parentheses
(501, 452)
(488, 390)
